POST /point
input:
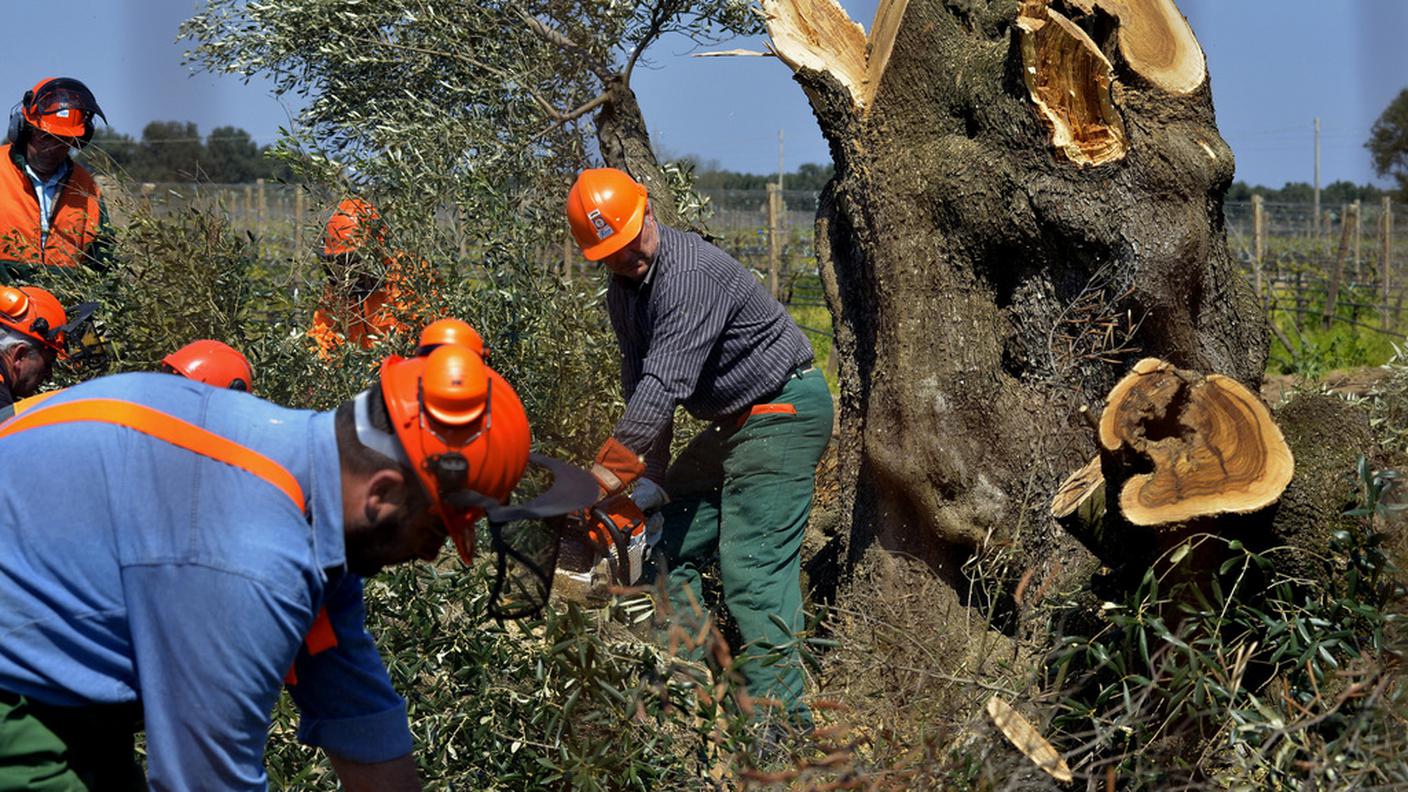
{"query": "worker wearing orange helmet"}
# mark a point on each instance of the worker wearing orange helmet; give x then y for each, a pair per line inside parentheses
(34, 330)
(224, 538)
(212, 362)
(366, 293)
(51, 210)
(696, 329)
(450, 331)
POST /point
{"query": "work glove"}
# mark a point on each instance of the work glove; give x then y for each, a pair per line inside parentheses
(648, 495)
(651, 498)
(616, 467)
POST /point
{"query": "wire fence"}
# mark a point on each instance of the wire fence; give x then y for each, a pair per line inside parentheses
(1348, 264)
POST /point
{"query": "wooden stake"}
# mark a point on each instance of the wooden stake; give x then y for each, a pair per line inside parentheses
(1332, 298)
(774, 236)
(1358, 235)
(1385, 256)
(298, 222)
(1317, 179)
(1258, 248)
(259, 215)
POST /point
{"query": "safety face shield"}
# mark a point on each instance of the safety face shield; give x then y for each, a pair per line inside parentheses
(64, 108)
(525, 536)
(83, 345)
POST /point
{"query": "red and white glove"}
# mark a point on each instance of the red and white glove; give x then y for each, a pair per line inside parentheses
(616, 466)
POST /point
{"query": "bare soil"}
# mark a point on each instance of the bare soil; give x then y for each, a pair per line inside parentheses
(1345, 382)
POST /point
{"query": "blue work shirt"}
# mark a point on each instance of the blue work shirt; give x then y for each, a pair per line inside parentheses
(135, 570)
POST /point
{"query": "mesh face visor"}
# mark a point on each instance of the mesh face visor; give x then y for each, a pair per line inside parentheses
(71, 103)
(525, 536)
(84, 346)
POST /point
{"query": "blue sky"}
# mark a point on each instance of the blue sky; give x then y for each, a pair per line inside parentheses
(1275, 65)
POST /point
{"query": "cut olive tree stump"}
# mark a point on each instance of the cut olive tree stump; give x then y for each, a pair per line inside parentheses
(1181, 452)
(1027, 199)
(1212, 444)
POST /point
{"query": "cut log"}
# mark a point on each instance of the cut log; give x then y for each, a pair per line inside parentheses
(1212, 443)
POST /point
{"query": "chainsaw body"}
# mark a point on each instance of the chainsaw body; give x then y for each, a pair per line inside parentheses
(601, 548)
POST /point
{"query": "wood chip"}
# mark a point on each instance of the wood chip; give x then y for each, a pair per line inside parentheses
(1024, 735)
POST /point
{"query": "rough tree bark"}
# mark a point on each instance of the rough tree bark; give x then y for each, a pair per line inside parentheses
(1028, 198)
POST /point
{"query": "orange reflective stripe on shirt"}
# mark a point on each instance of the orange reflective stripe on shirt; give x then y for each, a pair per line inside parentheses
(182, 434)
(166, 428)
(320, 638)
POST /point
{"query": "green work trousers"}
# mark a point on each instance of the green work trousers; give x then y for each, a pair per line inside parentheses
(62, 749)
(741, 493)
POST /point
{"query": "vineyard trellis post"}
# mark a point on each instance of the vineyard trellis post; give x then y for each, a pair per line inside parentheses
(775, 210)
(1358, 238)
(261, 210)
(1349, 219)
(1386, 257)
(1258, 246)
(298, 220)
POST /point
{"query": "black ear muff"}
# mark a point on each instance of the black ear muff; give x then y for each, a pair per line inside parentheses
(238, 384)
(17, 120)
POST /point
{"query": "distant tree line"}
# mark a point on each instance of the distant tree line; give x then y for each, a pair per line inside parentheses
(1332, 195)
(810, 177)
(175, 151)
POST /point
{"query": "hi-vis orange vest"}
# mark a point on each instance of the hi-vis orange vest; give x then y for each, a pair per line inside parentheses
(72, 229)
(181, 434)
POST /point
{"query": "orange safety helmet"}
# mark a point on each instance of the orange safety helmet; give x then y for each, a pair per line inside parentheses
(349, 228)
(449, 331)
(606, 209)
(212, 362)
(60, 106)
(461, 427)
(35, 313)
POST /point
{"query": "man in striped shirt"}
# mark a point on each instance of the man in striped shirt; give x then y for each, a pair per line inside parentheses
(697, 329)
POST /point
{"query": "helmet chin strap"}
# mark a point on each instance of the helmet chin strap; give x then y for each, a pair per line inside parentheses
(368, 435)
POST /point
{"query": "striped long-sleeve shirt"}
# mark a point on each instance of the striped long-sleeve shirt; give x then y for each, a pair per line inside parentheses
(698, 330)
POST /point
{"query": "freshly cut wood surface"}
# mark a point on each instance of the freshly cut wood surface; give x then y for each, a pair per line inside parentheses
(1158, 44)
(1077, 488)
(1213, 445)
(819, 35)
(1068, 79)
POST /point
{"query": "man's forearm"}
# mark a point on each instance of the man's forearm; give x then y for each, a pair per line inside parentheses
(396, 775)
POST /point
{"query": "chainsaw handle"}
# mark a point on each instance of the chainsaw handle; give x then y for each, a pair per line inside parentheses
(618, 542)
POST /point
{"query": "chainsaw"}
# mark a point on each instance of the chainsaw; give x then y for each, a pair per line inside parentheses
(603, 547)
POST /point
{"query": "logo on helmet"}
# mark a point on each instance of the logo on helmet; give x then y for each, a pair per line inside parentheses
(603, 229)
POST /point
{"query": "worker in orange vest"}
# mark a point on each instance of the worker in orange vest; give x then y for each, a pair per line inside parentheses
(222, 538)
(212, 362)
(51, 210)
(363, 295)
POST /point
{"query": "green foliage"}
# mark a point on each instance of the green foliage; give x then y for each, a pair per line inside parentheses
(1246, 675)
(1389, 406)
(573, 701)
(1388, 142)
